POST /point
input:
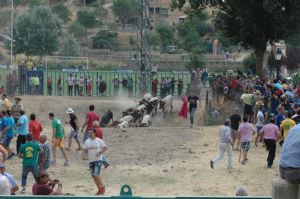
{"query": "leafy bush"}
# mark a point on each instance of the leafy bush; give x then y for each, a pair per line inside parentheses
(250, 63)
(62, 12)
(105, 39)
(77, 29)
(86, 18)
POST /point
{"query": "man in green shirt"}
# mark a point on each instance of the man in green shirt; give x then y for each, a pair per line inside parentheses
(58, 134)
(29, 153)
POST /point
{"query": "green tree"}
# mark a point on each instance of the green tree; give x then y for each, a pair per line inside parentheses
(5, 18)
(62, 11)
(251, 23)
(37, 32)
(86, 18)
(196, 59)
(78, 30)
(166, 34)
(105, 39)
(249, 62)
(125, 10)
(69, 46)
(98, 9)
(154, 38)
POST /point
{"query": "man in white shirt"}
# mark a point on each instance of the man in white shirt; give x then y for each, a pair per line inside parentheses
(92, 151)
(70, 82)
(5, 185)
(260, 121)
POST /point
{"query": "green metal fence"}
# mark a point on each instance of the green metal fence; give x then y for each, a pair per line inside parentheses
(108, 77)
(126, 193)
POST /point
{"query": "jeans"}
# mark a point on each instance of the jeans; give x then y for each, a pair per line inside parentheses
(70, 90)
(192, 112)
(86, 135)
(26, 169)
(271, 147)
(222, 148)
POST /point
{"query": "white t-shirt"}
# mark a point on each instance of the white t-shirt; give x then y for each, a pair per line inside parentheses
(70, 81)
(94, 147)
(5, 186)
(260, 116)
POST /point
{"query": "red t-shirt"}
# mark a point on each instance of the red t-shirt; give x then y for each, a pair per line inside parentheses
(233, 84)
(99, 133)
(91, 117)
(35, 128)
(41, 189)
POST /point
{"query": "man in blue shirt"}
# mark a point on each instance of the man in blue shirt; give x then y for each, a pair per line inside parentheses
(290, 156)
(22, 129)
(8, 131)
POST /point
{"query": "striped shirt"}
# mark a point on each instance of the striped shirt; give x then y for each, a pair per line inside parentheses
(45, 154)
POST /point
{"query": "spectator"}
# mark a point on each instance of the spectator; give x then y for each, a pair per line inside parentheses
(12, 182)
(116, 82)
(49, 86)
(6, 104)
(81, 83)
(59, 86)
(241, 191)
(74, 129)
(35, 127)
(102, 86)
(8, 133)
(124, 86)
(15, 109)
(179, 87)
(280, 116)
(5, 188)
(247, 100)
(224, 146)
(172, 82)
(192, 99)
(70, 83)
(45, 186)
(296, 118)
(44, 155)
(162, 87)
(89, 86)
(22, 129)
(235, 120)
(260, 121)
(289, 164)
(93, 149)
(286, 125)
(154, 85)
(29, 153)
(130, 86)
(58, 134)
(245, 130)
(76, 85)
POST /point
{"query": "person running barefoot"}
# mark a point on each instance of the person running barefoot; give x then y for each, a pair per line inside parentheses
(93, 149)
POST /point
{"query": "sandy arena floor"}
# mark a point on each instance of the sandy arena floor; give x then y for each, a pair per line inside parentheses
(167, 159)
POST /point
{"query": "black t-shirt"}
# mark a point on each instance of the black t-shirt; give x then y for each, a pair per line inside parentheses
(235, 119)
(73, 118)
(193, 101)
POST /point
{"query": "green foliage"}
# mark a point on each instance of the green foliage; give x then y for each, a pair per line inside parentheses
(154, 38)
(35, 3)
(195, 59)
(249, 62)
(98, 9)
(78, 30)
(131, 41)
(166, 34)
(37, 32)
(251, 23)
(105, 39)
(69, 46)
(5, 18)
(86, 18)
(125, 10)
(62, 12)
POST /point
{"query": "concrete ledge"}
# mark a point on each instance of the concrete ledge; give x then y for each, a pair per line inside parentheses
(281, 189)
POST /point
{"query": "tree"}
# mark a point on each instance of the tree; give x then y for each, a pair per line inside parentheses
(69, 46)
(166, 34)
(78, 30)
(37, 32)
(252, 23)
(5, 18)
(98, 9)
(125, 10)
(154, 38)
(195, 59)
(86, 18)
(62, 12)
(105, 39)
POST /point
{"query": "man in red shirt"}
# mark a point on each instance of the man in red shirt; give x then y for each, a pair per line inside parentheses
(44, 185)
(90, 117)
(35, 127)
(154, 87)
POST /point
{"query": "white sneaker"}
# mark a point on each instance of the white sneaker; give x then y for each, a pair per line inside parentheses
(23, 190)
(67, 163)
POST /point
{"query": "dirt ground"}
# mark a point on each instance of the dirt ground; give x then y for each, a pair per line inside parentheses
(167, 159)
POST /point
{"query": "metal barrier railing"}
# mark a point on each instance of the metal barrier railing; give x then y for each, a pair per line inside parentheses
(126, 193)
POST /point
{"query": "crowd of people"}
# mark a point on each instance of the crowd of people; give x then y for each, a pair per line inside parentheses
(33, 148)
(270, 111)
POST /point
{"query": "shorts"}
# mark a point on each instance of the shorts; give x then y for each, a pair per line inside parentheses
(245, 146)
(74, 134)
(58, 142)
(6, 141)
(95, 167)
(234, 134)
(258, 128)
